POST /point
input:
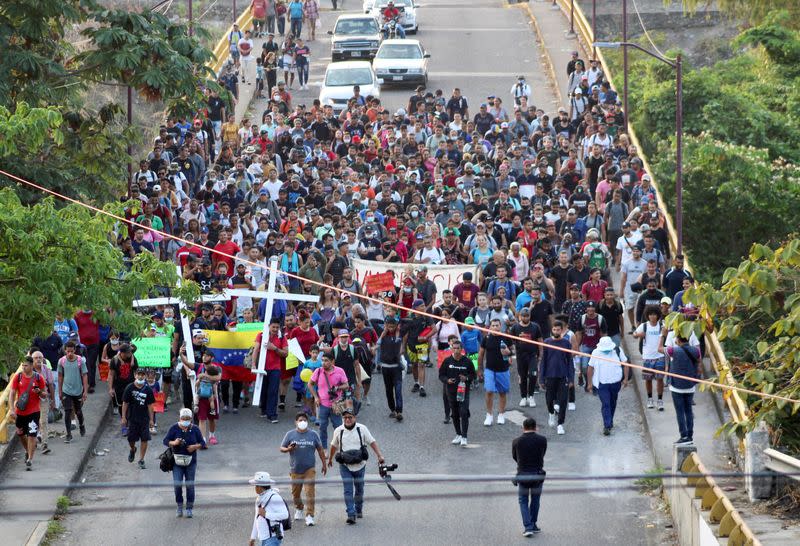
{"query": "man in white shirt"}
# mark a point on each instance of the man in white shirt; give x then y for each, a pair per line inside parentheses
(429, 254)
(246, 51)
(271, 510)
(631, 271)
(521, 89)
(352, 439)
(607, 375)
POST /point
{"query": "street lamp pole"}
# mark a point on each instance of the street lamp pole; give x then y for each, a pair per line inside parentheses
(677, 64)
(625, 64)
(191, 22)
(594, 28)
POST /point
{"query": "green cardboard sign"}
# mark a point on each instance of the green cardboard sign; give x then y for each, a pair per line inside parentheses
(250, 327)
(153, 352)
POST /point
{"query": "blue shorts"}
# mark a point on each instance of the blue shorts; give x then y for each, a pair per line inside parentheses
(651, 367)
(497, 381)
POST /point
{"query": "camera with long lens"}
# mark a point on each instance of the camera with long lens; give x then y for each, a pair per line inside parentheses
(384, 469)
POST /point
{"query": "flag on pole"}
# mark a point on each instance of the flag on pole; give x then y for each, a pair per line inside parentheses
(230, 349)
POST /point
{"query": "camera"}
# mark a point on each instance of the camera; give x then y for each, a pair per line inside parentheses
(384, 469)
(277, 532)
(332, 393)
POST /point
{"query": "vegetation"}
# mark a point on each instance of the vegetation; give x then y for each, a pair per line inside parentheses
(750, 11)
(652, 482)
(54, 530)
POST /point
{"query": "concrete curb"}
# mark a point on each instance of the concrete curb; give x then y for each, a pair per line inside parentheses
(548, 60)
(40, 531)
(7, 450)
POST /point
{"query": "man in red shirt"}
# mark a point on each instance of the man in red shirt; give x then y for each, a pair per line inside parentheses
(466, 292)
(189, 249)
(89, 333)
(276, 358)
(31, 386)
(229, 248)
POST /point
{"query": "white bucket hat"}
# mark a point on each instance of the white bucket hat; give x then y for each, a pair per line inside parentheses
(606, 344)
(262, 478)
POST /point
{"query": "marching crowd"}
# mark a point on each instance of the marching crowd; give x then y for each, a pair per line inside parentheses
(550, 207)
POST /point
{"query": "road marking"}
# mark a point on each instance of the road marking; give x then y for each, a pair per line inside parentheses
(512, 75)
(470, 30)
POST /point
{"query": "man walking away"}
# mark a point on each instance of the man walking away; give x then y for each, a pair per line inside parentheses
(528, 450)
(137, 414)
(351, 440)
(607, 377)
(300, 444)
(556, 373)
(684, 360)
(73, 386)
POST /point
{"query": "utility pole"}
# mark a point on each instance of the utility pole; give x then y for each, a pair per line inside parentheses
(625, 64)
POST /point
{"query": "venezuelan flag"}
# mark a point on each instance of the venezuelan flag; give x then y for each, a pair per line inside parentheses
(229, 349)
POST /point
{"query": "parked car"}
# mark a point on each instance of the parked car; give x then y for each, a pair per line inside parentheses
(337, 87)
(401, 61)
(355, 37)
(408, 13)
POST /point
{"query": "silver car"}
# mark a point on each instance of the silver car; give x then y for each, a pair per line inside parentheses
(401, 61)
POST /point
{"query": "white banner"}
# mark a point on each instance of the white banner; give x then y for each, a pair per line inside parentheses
(443, 276)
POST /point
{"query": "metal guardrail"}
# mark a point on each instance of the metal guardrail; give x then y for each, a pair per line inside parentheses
(5, 415)
(714, 501)
(736, 406)
(783, 463)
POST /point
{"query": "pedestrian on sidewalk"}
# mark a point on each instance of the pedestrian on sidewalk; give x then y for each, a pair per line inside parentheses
(73, 386)
(301, 444)
(185, 439)
(652, 332)
(528, 451)
(301, 63)
(493, 367)
(246, 55)
(350, 440)
(271, 510)
(684, 361)
(311, 13)
(556, 374)
(390, 360)
(137, 415)
(295, 9)
(41, 366)
(121, 372)
(608, 378)
(457, 373)
(28, 388)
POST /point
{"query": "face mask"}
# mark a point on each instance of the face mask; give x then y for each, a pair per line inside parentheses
(169, 319)
(328, 225)
(414, 214)
(184, 424)
(139, 382)
(370, 218)
(302, 425)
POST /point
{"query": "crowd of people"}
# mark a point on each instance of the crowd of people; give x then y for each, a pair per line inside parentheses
(550, 207)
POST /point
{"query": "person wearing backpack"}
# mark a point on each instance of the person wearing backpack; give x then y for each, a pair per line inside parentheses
(684, 360)
(272, 513)
(73, 387)
(24, 404)
(608, 378)
(350, 440)
(650, 332)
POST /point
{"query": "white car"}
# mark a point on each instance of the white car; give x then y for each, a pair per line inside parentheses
(340, 78)
(407, 8)
(401, 61)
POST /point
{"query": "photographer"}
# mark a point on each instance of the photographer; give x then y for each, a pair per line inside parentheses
(271, 511)
(351, 441)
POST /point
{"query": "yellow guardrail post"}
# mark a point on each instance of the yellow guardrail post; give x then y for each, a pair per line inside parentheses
(736, 406)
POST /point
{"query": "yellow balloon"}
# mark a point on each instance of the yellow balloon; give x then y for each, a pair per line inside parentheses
(305, 375)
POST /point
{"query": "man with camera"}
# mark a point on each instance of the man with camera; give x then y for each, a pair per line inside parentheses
(349, 449)
(271, 512)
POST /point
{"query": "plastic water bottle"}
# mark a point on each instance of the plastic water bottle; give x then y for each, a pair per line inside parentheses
(503, 347)
(461, 391)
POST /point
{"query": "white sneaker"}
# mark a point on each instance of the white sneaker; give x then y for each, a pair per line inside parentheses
(531, 401)
(310, 521)
(456, 440)
(551, 420)
(366, 400)
(298, 514)
(649, 403)
(560, 429)
(660, 405)
(488, 421)
(501, 418)
(571, 406)
(463, 442)
(523, 403)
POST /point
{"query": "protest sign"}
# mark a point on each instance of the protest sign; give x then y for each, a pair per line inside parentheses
(153, 352)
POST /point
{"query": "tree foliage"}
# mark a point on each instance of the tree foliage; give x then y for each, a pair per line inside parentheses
(761, 294)
(752, 12)
(43, 66)
(57, 260)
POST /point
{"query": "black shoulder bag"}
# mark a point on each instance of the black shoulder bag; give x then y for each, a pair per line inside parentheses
(352, 456)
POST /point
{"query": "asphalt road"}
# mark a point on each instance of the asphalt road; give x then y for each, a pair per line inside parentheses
(479, 46)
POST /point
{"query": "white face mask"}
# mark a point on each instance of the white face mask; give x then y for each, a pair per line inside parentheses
(139, 382)
(414, 213)
(302, 425)
(328, 225)
(185, 424)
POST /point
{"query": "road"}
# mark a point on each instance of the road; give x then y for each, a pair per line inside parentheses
(471, 44)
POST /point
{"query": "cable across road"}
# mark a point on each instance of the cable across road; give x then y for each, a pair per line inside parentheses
(275, 270)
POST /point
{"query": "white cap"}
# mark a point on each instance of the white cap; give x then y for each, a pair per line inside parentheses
(262, 478)
(186, 412)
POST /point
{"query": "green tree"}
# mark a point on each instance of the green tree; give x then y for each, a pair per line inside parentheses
(43, 65)
(760, 294)
(751, 11)
(57, 260)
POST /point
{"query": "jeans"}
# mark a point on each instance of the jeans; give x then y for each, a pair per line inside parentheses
(399, 30)
(684, 413)
(269, 394)
(556, 392)
(270, 23)
(179, 475)
(302, 73)
(459, 411)
(393, 382)
(350, 479)
(297, 27)
(92, 353)
(529, 498)
(325, 413)
(271, 541)
(608, 393)
(237, 392)
(281, 25)
(526, 367)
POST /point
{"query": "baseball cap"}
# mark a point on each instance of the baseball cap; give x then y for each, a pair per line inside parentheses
(418, 302)
(667, 300)
(469, 320)
(344, 333)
